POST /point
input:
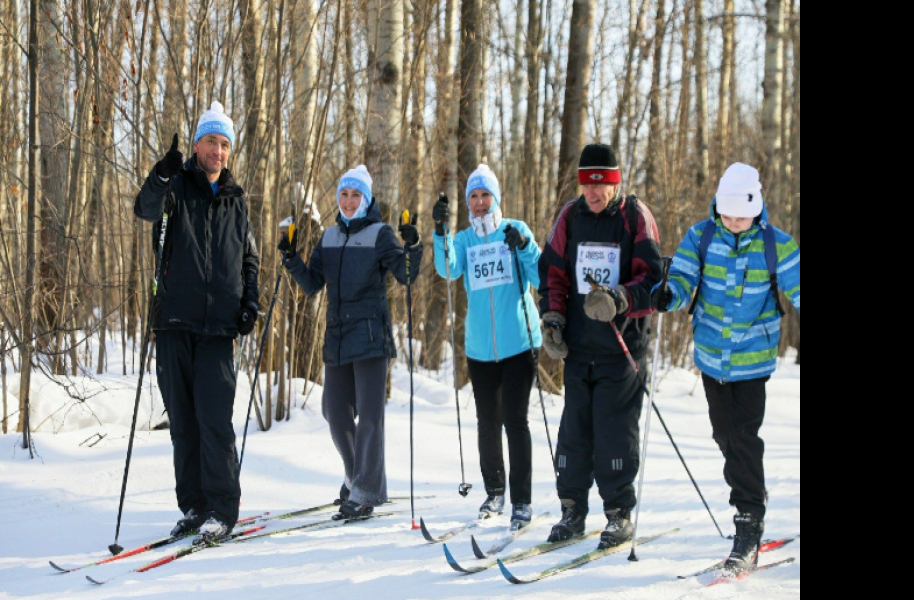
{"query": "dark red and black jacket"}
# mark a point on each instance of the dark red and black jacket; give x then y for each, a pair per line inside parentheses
(589, 340)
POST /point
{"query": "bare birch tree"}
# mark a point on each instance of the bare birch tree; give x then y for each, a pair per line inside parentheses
(385, 57)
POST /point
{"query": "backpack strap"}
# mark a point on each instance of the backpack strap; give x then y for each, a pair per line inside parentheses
(771, 258)
(631, 204)
(706, 236)
(569, 221)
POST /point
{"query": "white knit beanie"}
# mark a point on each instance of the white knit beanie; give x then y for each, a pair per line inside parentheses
(739, 193)
(215, 121)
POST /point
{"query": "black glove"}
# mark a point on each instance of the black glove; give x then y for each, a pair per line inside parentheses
(287, 246)
(661, 299)
(171, 162)
(409, 233)
(441, 214)
(246, 320)
(515, 239)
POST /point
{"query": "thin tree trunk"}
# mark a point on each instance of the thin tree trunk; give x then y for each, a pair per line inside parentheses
(255, 146)
(655, 140)
(55, 162)
(281, 320)
(467, 148)
(26, 318)
(531, 134)
(305, 85)
(385, 57)
(174, 102)
(577, 80)
(350, 116)
(722, 146)
(701, 98)
(513, 181)
(436, 325)
(771, 101)
(626, 101)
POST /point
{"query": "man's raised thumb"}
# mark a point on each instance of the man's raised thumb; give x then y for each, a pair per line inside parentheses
(174, 142)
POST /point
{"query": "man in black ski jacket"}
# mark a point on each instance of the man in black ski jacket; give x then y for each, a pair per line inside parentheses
(207, 295)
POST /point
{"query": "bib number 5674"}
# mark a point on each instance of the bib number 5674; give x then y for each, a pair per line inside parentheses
(486, 269)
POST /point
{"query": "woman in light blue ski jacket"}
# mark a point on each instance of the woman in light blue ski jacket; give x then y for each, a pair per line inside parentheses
(501, 362)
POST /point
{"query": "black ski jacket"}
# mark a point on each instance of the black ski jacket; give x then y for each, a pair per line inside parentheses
(210, 263)
(353, 262)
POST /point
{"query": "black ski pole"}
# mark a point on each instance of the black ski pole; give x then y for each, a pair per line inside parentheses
(115, 548)
(644, 387)
(263, 339)
(409, 335)
(536, 366)
(465, 487)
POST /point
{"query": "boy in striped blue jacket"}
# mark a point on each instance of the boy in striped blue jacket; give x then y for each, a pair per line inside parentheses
(737, 261)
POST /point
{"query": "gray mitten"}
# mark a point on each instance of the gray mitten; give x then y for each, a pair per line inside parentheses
(553, 324)
(603, 304)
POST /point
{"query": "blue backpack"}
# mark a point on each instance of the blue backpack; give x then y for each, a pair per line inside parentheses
(771, 258)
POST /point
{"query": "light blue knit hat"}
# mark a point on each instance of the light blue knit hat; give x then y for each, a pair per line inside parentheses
(484, 179)
(356, 179)
(215, 121)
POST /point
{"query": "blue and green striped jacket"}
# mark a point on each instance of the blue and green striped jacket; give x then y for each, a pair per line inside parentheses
(736, 323)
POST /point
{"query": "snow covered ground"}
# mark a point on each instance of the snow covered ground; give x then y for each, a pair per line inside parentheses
(62, 506)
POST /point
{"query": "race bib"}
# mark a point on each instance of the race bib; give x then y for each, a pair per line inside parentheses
(600, 261)
(489, 265)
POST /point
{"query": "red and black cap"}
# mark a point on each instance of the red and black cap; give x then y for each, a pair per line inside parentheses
(598, 165)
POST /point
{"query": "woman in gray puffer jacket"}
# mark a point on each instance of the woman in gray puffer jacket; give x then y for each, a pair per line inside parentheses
(353, 259)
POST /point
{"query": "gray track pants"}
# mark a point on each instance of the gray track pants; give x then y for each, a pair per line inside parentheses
(358, 390)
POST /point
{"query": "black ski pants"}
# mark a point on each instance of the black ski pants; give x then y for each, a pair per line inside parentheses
(599, 434)
(196, 375)
(353, 390)
(737, 410)
(502, 392)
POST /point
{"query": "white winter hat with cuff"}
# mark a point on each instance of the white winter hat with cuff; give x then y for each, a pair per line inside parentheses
(739, 193)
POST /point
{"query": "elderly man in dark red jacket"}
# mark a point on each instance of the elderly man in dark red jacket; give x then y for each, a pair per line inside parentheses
(610, 239)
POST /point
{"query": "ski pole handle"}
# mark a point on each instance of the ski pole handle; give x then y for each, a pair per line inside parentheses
(665, 270)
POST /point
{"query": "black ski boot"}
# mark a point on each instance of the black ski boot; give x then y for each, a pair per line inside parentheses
(746, 543)
(494, 505)
(189, 523)
(619, 528)
(574, 518)
(212, 531)
(353, 510)
(344, 496)
(521, 515)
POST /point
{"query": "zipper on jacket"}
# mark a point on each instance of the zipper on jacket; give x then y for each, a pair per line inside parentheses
(339, 293)
(491, 303)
